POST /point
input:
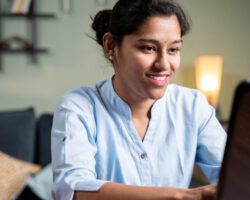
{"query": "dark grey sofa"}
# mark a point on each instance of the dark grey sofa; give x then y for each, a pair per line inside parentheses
(26, 137)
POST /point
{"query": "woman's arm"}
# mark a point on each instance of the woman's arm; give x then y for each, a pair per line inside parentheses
(211, 140)
(115, 191)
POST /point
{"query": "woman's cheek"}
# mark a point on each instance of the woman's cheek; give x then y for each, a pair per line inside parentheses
(175, 64)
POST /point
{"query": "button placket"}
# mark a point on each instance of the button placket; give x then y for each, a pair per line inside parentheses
(145, 168)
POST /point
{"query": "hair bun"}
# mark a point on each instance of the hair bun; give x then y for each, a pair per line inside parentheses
(100, 24)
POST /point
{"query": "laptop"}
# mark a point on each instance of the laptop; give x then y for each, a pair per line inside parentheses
(234, 180)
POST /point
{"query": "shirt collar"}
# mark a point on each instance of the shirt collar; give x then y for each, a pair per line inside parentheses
(115, 102)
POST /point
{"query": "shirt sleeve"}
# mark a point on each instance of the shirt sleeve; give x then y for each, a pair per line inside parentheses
(73, 151)
(211, 140)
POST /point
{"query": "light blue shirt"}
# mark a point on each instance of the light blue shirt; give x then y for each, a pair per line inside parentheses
(95, 141)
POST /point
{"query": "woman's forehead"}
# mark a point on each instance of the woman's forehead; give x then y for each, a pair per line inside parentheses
(162, 28)
(154, 23)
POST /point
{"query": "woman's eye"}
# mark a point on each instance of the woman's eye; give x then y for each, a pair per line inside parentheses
(174, 50)
(148, 49)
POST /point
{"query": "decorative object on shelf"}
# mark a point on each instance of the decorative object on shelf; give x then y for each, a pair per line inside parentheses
(21, 6)
(66, 6)
(208, 73)
(14, 43)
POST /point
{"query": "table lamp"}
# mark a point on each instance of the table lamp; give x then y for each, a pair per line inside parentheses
(208, 73)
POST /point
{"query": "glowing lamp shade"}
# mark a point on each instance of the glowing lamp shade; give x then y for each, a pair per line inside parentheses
(208, 72)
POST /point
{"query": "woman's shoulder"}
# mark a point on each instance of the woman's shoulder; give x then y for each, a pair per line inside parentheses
(179, 91)
(79, 95)
(85, 96)
(82, 92)
(189, 100)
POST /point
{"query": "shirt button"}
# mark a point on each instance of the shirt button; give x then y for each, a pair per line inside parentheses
(143, 155)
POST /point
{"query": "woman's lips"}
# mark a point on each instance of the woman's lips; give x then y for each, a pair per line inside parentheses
(158, 80)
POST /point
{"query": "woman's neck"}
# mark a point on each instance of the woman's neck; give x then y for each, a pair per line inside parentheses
(141, 114)
(140, 107)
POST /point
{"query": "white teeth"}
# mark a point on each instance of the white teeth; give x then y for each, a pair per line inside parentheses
(159, 78)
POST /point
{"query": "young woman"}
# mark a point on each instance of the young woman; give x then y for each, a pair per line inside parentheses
(136, 136)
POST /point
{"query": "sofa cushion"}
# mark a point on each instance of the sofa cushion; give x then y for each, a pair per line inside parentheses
(13, 175)
(17, 133)
(43, 142)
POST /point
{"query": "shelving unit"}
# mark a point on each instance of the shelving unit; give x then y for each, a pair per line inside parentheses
(32, 18)
(27, 50)
(37, 15)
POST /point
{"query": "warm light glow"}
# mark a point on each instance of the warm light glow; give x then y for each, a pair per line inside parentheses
(208, 71)
(209, 83)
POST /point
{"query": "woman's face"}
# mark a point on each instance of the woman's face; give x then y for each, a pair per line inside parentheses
(146, 60)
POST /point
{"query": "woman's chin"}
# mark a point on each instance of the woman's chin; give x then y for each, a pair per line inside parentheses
(157, 93)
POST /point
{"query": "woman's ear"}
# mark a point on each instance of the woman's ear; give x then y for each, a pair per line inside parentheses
(108, 45)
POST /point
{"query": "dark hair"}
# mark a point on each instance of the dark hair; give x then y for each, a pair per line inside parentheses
(128, 15)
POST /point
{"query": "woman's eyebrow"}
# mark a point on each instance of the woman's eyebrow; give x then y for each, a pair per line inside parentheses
(148, 40)
(157, 42)
(177, 41)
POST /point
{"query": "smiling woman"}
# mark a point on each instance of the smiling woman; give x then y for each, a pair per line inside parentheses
(135, 136)
(146, 60)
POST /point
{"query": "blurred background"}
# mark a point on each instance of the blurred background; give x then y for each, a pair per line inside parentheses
(219, 27)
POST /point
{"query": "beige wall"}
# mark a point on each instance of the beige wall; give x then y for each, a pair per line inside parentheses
(219, 27)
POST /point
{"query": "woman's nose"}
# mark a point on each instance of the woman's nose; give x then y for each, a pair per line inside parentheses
(162, 63)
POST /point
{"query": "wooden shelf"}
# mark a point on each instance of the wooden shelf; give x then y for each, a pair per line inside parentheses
(17, 51)
(36, 15)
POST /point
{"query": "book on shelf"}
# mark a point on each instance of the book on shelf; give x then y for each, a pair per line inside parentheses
(21, 6)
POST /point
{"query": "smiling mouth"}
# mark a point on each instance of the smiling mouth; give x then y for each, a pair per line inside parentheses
(158, 80)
